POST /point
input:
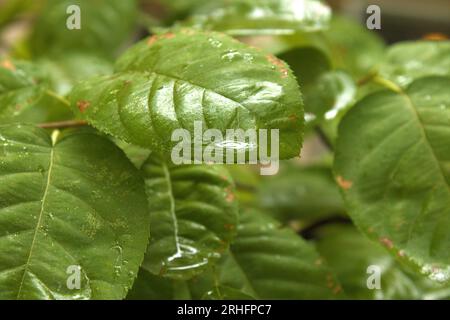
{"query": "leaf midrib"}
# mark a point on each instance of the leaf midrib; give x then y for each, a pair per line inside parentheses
(172, 207)
(421, 125)
(39, 223)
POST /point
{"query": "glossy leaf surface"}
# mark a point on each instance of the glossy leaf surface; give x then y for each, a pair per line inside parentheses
(392, 163)
(68, 211)
(176, 80)
(193, 217)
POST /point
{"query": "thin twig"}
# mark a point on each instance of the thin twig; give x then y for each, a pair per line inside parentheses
(63, 124)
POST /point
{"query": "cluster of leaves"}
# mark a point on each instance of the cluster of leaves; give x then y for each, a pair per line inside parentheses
(106, 197)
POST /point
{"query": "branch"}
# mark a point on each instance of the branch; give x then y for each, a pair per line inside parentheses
(63, 124)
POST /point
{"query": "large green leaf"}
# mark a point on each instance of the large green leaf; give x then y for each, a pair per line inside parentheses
(410, 60)
(350, 255)
(25, 94)
(193, 217)
(250, 17)
(264, 262)
(174, 80)
(393, 166)
(68, 200)
(105, 25)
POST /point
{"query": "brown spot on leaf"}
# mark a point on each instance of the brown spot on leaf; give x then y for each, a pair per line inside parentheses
(152, 40)
(435, 36)
(337, 289)
(278, 64)
(318, 262)
(83, 105)
(7, 64)
(387, 242)
(169, 35)
(401, 253)
(344, 184)
(230, 195)
(229, 226)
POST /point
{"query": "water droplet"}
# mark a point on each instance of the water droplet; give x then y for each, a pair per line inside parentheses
(215, 43)
(231, 55)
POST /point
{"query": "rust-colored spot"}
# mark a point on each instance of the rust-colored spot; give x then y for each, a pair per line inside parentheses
(278, 64)
(435, 36)
(387, 242)
(284, 73)
(293, 117)
(274, 61)
(152, 40)
(318, 262)
(83, 105)
(7, 64)
(229, 226)
(337, 289)
(344, 184)
(169, 35)
(230, 195)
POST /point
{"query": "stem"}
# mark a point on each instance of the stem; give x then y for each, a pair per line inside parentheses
(309, 232)
(366, 79)
(323, 137)
(58, 97)
(388, 84)
(63, 124)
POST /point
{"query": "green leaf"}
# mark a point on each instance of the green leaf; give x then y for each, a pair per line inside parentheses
(264, 262)
(326, 92)
(269, 262)
(25, 94)
(172, 81)
(250, 17)
(301, 193)
(350, 254)
(66, 70)
(353, 48)
(410, 60)
(64, 203)
(105, 25)
(193, 217)
(393, 166)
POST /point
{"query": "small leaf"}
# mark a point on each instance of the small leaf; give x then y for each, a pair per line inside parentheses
(25, 94)
(350, 254)
(250, 17)
(104, 26)
(353, 48)
(64, 203)
(326, 92)
(193, 217)
(66, 70)
(410, 60)
(297, 193)
(175, 80)
(392, 163)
